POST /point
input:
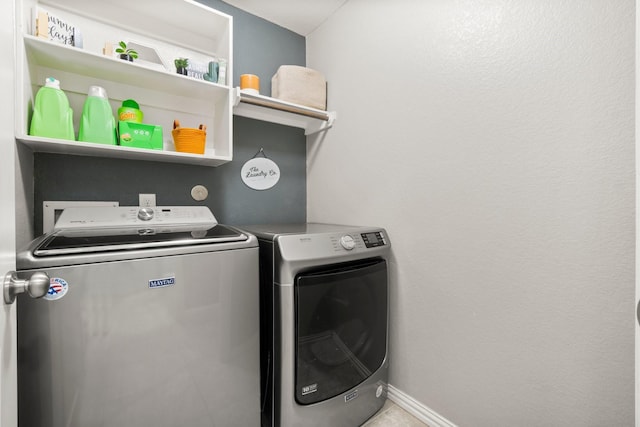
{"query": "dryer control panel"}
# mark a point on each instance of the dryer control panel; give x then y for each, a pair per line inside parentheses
(375, 239)
(352, 241)
(356, 241)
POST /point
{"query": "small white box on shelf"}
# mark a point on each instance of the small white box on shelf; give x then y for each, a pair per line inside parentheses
(300, 85)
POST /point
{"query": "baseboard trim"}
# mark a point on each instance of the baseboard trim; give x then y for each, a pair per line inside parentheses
(417, 409)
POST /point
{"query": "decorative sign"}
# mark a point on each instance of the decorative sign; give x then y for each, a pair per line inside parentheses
(51, 27)
(260, 173)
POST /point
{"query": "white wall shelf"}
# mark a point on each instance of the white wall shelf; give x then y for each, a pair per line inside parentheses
(178, 29)
(56, 56)
(274, 110)
(60, 146)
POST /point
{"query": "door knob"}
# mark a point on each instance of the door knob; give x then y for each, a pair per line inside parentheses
(36, 286)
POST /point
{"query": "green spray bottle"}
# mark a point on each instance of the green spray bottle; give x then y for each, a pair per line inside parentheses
(52, 116)
(97, 123)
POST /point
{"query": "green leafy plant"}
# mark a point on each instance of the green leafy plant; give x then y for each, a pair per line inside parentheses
(181, 62)
(124, 50)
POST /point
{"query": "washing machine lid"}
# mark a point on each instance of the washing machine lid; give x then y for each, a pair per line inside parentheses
(90, 230)
(83, 241)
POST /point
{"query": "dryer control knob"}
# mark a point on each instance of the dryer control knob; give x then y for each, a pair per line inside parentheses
(347, 242)
(145, 214)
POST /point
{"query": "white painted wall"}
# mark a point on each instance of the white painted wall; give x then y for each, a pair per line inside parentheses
(494, 139)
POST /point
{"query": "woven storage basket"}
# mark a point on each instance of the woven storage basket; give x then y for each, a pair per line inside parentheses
(189, 140)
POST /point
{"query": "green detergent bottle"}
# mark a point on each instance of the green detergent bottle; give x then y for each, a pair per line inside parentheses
(97, 123)
(52, 116)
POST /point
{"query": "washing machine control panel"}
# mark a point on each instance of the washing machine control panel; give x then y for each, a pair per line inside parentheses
(145, 214)
(134, 216)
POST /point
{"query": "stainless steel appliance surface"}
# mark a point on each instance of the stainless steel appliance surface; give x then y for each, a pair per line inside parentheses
(150, 320)
(324, 323)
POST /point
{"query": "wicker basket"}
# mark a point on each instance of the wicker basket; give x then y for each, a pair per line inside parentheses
(189, 140)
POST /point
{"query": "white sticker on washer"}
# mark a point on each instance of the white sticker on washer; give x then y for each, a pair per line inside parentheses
(57, 289)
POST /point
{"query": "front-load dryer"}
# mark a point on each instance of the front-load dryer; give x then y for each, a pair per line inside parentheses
(324, 323)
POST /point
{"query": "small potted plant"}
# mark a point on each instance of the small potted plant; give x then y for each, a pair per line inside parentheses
(127, 54)
(181, 65)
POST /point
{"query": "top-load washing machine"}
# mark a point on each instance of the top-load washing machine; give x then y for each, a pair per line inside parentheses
(324, 323)
(150, 319)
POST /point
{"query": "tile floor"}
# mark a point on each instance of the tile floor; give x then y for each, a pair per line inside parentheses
(391, 415)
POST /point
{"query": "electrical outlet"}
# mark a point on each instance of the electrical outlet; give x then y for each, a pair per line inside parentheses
(147, 200)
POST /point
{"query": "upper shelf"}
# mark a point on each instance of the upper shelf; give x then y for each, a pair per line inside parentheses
(268, 109)
(78, 61)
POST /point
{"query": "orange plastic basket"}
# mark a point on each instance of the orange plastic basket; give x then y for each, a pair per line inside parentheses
(189, 140)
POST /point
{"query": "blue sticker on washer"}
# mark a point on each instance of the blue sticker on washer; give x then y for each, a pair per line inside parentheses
(57, 289)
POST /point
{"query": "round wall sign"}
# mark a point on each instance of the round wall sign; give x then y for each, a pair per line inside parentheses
(260, 173)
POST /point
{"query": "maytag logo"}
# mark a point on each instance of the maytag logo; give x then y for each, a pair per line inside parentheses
(161, 283)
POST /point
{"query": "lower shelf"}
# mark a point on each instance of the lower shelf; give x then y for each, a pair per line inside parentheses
(59, 146)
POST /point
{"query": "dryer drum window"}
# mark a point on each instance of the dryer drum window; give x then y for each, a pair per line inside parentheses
(341, 328)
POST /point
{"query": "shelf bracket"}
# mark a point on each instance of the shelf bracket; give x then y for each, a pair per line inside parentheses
(321, 126)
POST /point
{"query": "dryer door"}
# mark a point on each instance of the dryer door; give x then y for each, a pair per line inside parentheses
(341, 328)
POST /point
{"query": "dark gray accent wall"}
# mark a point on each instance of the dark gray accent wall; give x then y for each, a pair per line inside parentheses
(259, 48)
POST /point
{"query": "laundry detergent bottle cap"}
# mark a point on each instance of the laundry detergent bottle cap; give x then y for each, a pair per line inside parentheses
(130, 112)
(51, 82)
(97, 123)
(98, 91)
(52, 116)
